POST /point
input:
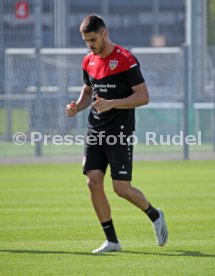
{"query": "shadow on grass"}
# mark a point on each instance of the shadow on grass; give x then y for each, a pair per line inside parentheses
(19, 251)
(174, 253)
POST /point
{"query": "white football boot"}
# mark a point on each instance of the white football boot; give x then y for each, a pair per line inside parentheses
(108, 247)
(160, 229)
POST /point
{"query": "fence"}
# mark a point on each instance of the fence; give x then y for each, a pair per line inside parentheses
(37, 81)
(61, 81)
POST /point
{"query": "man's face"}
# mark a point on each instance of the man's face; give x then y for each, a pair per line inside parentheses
(95, 41)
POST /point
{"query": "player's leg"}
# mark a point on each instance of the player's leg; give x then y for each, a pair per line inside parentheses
(125, 190)
(95, 179)
(102, 208)
(94, 166)
(120, 159)
(120, 156)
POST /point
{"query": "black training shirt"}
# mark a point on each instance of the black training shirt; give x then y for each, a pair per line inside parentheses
(112, 78)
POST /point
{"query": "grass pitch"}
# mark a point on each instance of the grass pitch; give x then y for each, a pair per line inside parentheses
(48, 226)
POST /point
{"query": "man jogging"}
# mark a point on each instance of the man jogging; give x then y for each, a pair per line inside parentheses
(113, 87)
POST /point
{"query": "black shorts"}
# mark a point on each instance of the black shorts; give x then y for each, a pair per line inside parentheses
(118, 155)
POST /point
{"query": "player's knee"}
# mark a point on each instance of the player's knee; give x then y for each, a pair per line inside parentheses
(93, 185)
(120, 189)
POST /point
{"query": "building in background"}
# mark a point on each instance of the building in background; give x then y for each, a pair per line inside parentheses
(137, 23)
(158, 30)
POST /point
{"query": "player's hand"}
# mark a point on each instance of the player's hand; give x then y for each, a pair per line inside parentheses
(71, 109)
(102, 105)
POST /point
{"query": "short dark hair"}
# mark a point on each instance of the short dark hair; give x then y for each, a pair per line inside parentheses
(92, 23)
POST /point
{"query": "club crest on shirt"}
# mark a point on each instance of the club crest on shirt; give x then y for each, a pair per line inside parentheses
(113, 64)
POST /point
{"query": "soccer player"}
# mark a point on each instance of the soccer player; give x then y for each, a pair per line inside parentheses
(113, 87)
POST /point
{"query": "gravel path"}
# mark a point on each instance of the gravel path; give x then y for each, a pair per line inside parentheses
(155, 156)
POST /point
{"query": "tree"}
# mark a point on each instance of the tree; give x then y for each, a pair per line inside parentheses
(211, 22)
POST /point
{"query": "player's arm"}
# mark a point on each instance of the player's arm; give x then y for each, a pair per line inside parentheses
(83, 102)
(139, 97)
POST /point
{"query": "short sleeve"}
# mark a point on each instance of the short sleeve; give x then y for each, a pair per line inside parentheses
(86, 78)
(85, 63)
(133, 75)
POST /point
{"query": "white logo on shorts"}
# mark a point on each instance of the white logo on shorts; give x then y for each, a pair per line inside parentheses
(123, 172)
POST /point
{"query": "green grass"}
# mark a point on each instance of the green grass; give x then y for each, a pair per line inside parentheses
(48, 226)
(19, 120)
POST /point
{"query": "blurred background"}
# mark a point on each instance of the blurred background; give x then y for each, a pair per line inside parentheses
(41, 51)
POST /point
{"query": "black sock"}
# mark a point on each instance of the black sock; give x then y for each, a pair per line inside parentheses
(152, 213)
(109, 230)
